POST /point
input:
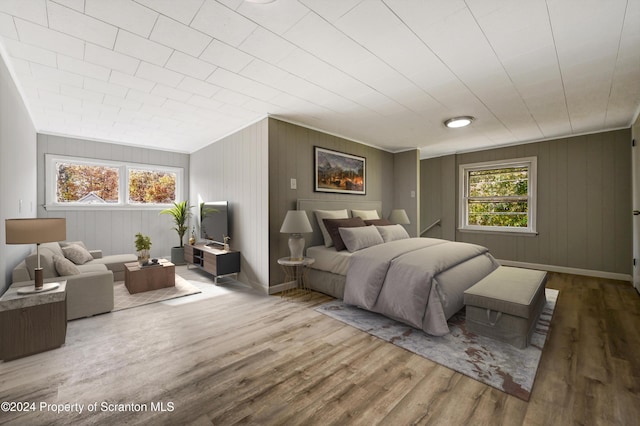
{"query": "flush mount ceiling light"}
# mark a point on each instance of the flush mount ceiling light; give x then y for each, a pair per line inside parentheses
(455, 122)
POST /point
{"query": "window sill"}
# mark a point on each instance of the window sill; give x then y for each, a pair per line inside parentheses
(514, 233)
(102, 207)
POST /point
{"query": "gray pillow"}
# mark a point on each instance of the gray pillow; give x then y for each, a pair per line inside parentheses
(393, 232)
(77, 254)
(329, 214)
(64, 266)
(46, 263)
(360, 238)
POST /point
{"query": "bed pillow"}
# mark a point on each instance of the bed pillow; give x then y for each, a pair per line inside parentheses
(333, 228)
(377, 222)
(77, 254)
(360, 238)
(329, 214)
(64, 266)
(365, 214)
(46, 263)
(392, 232)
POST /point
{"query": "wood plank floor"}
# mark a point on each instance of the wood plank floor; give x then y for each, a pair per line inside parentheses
(231, 356)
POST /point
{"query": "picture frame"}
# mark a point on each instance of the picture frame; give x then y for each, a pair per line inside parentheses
(339, 172)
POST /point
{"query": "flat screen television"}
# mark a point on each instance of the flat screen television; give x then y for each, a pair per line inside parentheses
(214, 221)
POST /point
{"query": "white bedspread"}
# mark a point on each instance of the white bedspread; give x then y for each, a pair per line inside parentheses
(330, 260)
(419, 281)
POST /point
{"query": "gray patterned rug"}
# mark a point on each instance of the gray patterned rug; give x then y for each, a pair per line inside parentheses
(122, 299)
(489, 361)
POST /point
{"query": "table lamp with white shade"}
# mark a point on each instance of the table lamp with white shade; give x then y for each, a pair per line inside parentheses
(296, 223)
(399, 217)
(36, 231)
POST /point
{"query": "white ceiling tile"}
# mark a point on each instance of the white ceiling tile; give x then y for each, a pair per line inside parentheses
(73, 4)
(21, 67)
(30, 53)
(142, 48)
(87, 69)
(171, 93)
(225, 56)
(182, 11)
(241, 84)
(7, 27)
(198, 87)
(78, 93)
(120, 102)
(77, 24)
(227, 96)
(222, 23)
(58, 76)
(179, 36)
(278, 16)
(202, 102)
(110, 59)
(158, 74)
(125, 14)
(331, 10)
(131, 82)
(146, 98)
(33, 10)
(267, 46)
(190, 66)
(45, 38)
(104, 87)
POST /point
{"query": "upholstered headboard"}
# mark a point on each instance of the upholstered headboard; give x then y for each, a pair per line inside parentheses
(310, 205)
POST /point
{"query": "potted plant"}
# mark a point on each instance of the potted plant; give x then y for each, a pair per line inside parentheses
(181, 212)
(143, 245)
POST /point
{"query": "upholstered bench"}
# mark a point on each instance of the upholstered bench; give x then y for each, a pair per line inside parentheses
(506, 304)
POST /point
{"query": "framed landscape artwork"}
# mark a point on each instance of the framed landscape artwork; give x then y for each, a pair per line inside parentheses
(339, 172)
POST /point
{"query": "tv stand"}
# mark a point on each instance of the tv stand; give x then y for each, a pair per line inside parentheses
(217, 262)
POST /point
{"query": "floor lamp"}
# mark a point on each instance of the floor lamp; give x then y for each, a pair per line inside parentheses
(36, 231)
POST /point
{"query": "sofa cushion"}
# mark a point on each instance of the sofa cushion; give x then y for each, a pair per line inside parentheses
(54, 248)
(91, 267)
(64, 266)
(46, 263)
(77, 254)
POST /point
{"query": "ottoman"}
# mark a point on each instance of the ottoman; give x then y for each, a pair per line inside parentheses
(505, 305)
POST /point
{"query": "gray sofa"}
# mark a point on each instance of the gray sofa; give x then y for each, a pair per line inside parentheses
(89, 292)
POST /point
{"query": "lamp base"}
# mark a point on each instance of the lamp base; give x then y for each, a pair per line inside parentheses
(44, 288)
(296, 246)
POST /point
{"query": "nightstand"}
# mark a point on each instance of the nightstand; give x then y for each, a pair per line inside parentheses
(295, 270)
(32, 323)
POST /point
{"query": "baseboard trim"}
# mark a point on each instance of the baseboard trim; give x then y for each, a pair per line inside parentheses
(567, 270)
(282, 287)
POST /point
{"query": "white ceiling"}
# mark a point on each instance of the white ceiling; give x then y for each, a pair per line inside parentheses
(179, 75)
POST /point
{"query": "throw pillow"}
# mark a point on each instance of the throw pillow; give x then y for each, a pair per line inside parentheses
(77, 254)
(393, 232)
(329, 214)
(64, 266)
(360, 238)
(377, 222)
(46, 263)
(333, 226)
(365, 214)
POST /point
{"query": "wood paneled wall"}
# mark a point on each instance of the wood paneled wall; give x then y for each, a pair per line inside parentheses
(584, 202)
(18, 186)
(291, 156)
(235, 169)
(406, 170)
(112, 231)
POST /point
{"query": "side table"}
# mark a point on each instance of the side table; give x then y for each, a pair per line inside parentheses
(295, 270)
(32, 323)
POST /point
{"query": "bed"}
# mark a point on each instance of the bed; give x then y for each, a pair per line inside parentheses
(418, 281)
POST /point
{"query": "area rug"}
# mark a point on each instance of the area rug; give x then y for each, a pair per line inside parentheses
(489, 361)
(122, 299)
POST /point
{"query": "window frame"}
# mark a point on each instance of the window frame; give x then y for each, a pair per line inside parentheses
(123, 183)
(463, 209)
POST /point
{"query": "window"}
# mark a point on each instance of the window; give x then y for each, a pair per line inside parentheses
(499, 196)
(85, 183)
